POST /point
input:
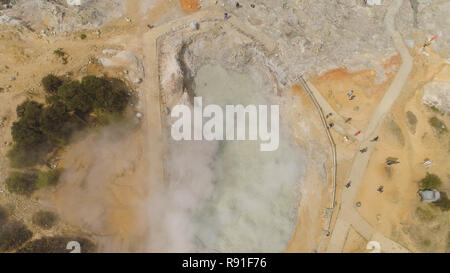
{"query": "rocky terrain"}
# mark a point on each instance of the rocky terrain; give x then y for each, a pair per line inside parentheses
(337, 45)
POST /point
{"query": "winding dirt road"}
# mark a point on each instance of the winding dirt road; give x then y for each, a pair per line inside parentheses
(348, 215)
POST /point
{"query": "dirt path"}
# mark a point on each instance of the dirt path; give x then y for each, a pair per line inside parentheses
(348, 215)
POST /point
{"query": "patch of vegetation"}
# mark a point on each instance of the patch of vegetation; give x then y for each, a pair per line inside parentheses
(430, 182)
(13, 234)
(3, 215)
(57, 123)
(435, 109)
(27, 135)
(396, 131)
(57, 244)
(76, 98)
(48, 178)
(59, 52)
(21, 183)
(20, 157)
(69, 106)
(51, 83)
(45, 219)
(426, 242)
(438, 125)
(108, 95)
(83, 36)
(425, 214)
(26, 131)
(412, 121)
(443, 203)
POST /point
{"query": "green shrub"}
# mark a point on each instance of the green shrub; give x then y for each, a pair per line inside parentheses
(438, 125)
(59, 52)
(430, 182)
(435, 109)
(57, 244)
(83, 36)
(13, 234)
(51, 83)
(45, 219)
(48, 178)
(21, 183)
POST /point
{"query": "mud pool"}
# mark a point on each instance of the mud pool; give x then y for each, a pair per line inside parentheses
(228, 196)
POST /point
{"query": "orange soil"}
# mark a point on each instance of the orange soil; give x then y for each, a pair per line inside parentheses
(190, 5)
(392, 62)
(335, 84)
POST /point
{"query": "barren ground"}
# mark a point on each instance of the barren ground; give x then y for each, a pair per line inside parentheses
(118, 193)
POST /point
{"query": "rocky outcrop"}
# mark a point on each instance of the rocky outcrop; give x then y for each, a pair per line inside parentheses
(437, 95)
(58, 16)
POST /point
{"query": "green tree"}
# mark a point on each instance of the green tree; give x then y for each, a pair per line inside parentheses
(21, 183)
(56, 122)
(40, 129)
(51, 83)
(109, 95)
(13, 234)
(75, 97)
(26, 131)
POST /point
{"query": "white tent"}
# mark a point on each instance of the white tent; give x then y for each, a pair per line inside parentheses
(373, 2)
(430, 195)
(74, 2)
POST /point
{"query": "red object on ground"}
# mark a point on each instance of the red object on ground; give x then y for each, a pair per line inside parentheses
(434, 38)
(357, 133)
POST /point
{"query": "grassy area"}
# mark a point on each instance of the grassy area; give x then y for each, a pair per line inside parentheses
(425, 214)
(21, 183)
(25, 183)
(48, 178)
